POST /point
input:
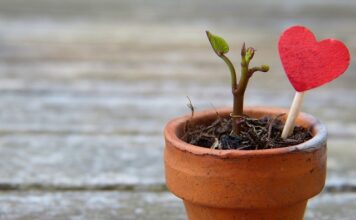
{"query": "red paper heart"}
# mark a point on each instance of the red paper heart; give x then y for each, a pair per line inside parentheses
(308, 63)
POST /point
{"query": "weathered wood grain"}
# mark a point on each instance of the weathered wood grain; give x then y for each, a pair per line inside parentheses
(86, 88)
(136, 205)
(89, 161)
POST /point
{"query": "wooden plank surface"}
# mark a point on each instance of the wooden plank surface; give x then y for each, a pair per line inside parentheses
(98, 205)
(68, 94)
(86, 88)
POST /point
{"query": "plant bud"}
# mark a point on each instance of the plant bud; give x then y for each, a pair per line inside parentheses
(243, 50)
(264, 68)
(249, 53)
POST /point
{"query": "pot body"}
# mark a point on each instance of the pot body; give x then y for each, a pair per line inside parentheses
(245, 184)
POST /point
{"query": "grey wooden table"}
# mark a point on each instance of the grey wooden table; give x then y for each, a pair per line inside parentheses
(87, 86)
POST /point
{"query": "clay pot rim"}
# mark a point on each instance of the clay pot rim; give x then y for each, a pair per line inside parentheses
(318, 140)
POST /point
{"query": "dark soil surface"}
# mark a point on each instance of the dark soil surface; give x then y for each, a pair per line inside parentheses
(263, 133)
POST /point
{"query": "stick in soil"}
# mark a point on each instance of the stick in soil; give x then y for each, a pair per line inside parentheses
(293, 114)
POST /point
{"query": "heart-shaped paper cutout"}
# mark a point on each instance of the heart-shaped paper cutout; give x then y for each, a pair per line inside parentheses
(309, 63)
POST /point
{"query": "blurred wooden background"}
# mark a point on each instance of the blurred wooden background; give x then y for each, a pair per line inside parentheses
(87, 86)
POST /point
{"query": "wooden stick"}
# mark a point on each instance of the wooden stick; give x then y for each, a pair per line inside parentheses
(293, 114)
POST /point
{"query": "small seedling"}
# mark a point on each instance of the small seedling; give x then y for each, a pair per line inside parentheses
(307, 63)
(221, 48)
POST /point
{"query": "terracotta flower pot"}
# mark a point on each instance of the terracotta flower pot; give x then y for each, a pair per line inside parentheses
(245, 184)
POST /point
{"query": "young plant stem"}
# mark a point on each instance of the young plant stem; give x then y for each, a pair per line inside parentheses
(232, 71)
(239, 92)
(220, 47)
(233, 88)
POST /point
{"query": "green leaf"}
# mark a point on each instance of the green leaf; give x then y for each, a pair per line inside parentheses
(218, 43)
